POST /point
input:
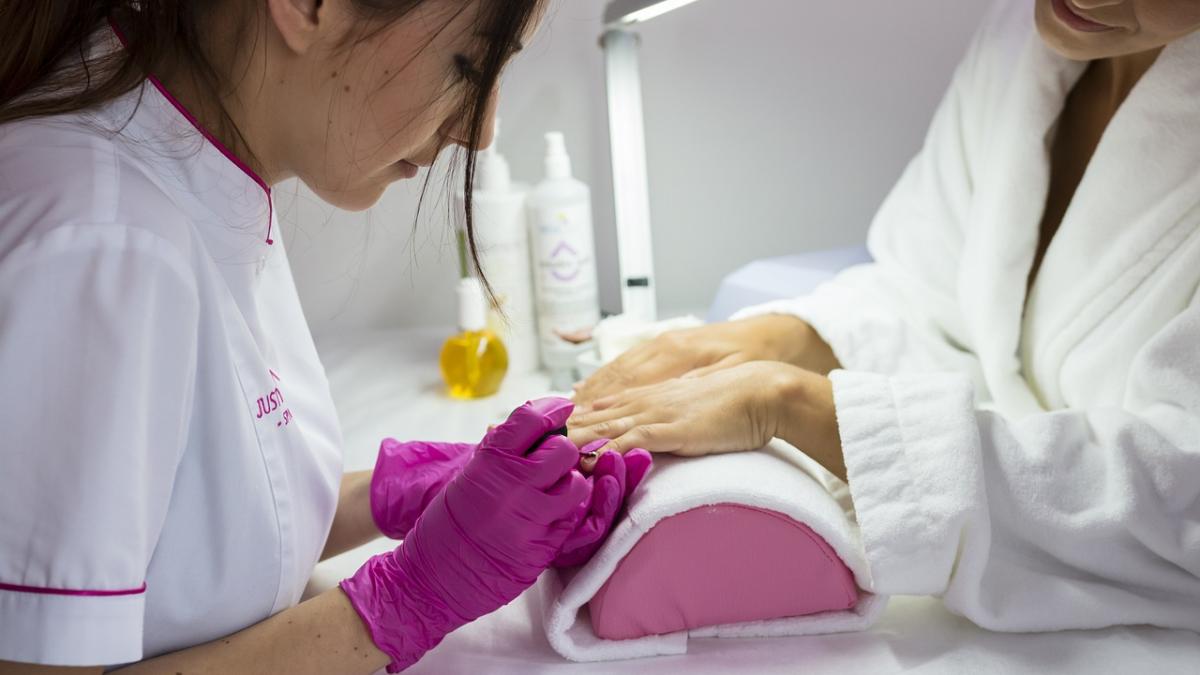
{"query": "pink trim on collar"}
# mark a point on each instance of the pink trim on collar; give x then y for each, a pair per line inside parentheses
(69, 591)
(207, 136)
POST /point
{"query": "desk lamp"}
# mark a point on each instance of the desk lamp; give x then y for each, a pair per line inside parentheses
(627, 142)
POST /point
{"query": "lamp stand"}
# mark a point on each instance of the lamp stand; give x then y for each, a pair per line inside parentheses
(627, 140)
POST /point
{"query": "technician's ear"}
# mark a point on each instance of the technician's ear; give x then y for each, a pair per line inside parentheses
(298, 21)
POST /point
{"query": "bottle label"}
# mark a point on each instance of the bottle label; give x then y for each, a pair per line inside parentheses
(568, 299)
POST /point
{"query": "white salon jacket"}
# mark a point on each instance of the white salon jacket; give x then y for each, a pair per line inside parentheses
(1035, 461)
(169, 452)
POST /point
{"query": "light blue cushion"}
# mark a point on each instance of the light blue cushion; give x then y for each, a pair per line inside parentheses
(783, 277)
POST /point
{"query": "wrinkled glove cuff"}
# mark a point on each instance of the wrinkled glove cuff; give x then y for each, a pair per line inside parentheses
(400, 623)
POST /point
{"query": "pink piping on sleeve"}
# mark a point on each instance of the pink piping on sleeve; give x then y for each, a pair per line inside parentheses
(70, 591)
(207, 136)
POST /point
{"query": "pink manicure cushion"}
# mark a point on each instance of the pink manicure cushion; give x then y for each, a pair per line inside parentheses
(721, 564)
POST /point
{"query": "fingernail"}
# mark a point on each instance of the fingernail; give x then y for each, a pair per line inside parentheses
(589, 461)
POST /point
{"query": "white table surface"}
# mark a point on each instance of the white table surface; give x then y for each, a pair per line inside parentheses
(387, 384)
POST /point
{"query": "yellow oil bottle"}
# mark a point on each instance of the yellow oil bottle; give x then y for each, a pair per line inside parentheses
(475, 361)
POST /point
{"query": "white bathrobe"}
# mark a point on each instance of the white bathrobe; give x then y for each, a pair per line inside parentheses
(1035, 462)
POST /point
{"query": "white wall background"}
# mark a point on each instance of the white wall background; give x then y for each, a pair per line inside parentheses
(774, 126)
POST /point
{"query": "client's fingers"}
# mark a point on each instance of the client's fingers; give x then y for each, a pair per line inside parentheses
(606, 402)
(582, 418)
(591, 455)
(636, 463)
(603, 425)
(611, 378)
(604, 405)
(661, 437)
(725, 363)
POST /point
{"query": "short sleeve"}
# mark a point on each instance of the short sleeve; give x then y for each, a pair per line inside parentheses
(98, 345)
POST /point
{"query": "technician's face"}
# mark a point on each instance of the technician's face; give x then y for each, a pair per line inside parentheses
(385, 107)
(360, 119)
(1095, 29)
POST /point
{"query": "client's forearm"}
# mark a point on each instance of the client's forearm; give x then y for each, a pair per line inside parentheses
(807, 418)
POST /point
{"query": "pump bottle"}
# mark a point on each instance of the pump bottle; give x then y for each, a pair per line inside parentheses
(560, 210)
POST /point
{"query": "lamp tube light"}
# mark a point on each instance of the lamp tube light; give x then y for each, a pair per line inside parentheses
(628, 12)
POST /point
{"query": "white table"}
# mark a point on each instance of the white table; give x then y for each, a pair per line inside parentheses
(387, 384)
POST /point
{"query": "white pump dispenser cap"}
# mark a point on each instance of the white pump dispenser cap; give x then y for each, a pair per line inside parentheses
(558, 162)
(472, 307)
(492, 174)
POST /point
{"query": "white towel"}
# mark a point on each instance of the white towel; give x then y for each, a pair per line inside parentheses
(778, 478)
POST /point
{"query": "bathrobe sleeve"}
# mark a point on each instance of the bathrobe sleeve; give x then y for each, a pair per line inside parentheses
(98, 339)
(1067, 519)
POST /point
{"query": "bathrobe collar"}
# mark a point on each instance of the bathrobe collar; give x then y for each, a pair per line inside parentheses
(1121, 231)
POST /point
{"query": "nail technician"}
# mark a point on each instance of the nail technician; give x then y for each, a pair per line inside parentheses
(170, 458)
(1012, 388)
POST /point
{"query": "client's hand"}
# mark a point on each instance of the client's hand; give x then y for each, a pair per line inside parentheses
(696, 352)
(724, 411)
(729, 410)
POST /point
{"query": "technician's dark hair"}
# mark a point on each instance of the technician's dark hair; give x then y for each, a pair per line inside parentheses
(45, 67)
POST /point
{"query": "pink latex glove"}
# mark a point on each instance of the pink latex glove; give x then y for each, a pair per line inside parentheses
(614, 478)
(481, 542)
(408, 476)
